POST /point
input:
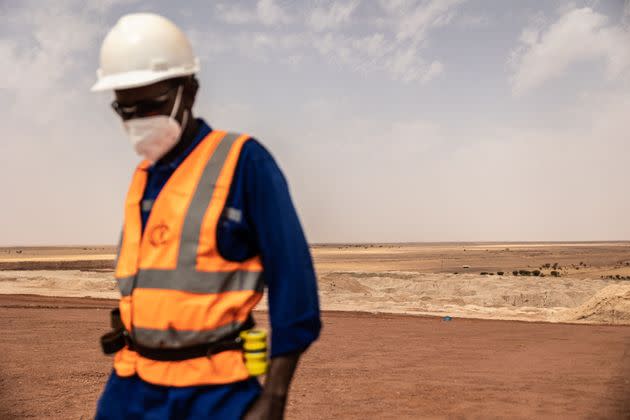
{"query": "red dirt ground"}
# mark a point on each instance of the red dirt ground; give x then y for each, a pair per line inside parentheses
(363, 367)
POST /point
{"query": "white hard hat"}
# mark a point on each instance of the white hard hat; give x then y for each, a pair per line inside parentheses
(141, 49)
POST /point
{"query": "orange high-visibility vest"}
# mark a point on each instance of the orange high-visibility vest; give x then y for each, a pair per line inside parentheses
(176, 289)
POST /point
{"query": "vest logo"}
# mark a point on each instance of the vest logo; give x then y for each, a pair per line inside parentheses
(159, 235)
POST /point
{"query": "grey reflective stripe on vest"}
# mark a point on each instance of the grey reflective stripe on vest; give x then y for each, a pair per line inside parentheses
(173, 339)
(125, 285)
(201, 201)
(119, 247)
(147, 205)
(193, 281)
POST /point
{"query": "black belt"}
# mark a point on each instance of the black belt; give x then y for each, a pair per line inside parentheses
(119, 338)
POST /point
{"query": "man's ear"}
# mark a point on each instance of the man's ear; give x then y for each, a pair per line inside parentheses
(191, 86)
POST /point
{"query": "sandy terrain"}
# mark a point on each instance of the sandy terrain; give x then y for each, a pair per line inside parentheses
(376, 363)
(363, 367)
(408, 279)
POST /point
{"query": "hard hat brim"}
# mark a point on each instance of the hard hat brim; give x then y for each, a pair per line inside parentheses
(139, 78)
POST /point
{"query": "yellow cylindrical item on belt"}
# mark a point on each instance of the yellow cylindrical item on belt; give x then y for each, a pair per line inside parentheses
(255, 351)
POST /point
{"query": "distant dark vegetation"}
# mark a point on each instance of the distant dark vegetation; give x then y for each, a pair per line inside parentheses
(616, 277)
(556, 270)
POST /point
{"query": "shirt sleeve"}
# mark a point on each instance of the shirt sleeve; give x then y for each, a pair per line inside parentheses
(288, 267)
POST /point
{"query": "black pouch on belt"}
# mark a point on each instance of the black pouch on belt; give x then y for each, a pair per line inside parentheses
(117, 338)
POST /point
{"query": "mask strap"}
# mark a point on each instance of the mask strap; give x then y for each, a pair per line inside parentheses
(178, 99)
(176, 107)
(185, 120)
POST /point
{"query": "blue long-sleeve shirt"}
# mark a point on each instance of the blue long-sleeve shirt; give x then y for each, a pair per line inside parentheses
(260, 219)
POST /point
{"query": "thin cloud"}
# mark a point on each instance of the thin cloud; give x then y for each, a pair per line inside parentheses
(35, 72)
(324, 18)
(415, 21)
(408, 66)
(270, 13)
(372, 46)
(474, 21)
(392, 48)
(266, 12)
(230, 13)
(579, 35)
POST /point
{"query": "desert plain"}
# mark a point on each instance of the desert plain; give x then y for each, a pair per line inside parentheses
(427, 330)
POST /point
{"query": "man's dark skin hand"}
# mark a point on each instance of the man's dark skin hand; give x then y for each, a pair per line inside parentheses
(270, 404)
(158, 99)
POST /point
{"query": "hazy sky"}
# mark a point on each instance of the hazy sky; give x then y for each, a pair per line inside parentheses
(400, 120)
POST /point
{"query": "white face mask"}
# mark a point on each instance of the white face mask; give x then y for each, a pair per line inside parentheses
(153, 137)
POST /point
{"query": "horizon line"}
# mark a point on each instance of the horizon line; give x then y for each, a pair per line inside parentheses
(362, 243)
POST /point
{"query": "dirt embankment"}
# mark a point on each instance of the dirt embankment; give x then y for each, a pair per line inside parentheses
(610, 305)
(75, 283)
(475, 296)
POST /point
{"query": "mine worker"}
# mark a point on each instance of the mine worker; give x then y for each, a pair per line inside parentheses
(208, 223)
